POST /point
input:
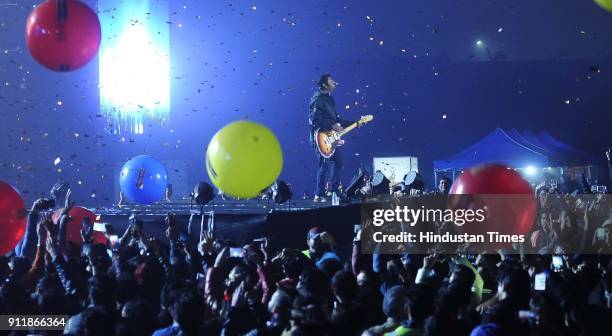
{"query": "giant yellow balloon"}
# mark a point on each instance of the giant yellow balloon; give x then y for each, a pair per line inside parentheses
(607, 4)
(243, 159)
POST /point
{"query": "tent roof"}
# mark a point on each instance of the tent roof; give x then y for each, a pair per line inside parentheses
(496, 147)
(555, 156)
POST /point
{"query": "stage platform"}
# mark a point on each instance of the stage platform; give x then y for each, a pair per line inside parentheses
(243, 220)
(219, 206)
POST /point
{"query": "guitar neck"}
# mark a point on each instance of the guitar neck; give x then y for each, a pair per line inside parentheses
(349, 128)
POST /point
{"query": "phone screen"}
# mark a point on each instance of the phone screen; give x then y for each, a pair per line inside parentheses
(540, 282)
(100, 227)
(601, 234)
(236, 252)
(557, 262)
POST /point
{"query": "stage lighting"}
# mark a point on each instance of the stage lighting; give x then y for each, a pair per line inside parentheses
(281, 191)
(203, 193)
(413, 180)
(134, 63)
(530, 170)
(380, 183)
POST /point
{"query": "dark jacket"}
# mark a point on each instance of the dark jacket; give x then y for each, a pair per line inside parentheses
(323, 113)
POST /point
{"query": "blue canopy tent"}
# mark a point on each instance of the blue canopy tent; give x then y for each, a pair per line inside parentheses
(517, 150)
(497, 147)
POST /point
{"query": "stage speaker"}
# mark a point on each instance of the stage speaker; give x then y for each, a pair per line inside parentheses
(203, 193)
(380, 183)
(413, 180)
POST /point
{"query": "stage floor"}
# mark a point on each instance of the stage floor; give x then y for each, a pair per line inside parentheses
(219, 206)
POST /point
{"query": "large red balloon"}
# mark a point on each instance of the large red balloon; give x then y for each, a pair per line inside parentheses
(63, 35)
(12, 218)
(73, 233)
(509, 199)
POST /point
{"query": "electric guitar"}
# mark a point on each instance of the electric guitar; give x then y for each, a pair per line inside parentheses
(328, 141)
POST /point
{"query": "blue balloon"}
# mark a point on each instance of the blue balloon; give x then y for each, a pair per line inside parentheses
(143, 179)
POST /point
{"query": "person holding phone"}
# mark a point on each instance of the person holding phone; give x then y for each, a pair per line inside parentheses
(133, 233)
(26, 247)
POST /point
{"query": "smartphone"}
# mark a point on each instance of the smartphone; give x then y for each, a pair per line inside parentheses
(113, 239)
(557, 262)
(601, 234)
(236, 252)
(540, 282)
(527, 315)
(100, 227)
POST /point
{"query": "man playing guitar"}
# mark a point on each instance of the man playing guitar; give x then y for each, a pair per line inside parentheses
(323, 117)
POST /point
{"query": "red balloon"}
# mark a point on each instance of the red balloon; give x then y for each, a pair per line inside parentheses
(13, 218)
(509, 200)
(73, 233)
(63, 35)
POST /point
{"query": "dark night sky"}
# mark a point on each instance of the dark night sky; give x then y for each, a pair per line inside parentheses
(542, 65)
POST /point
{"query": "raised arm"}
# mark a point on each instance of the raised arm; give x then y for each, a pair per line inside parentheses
(27, 246)
(609, 157)
(30, 279)
(63, 222)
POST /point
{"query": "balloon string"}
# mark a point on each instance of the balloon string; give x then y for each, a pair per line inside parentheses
(62, 10)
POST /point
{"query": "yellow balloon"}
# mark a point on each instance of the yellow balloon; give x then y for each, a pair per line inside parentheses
(243, 159)
(607, 4)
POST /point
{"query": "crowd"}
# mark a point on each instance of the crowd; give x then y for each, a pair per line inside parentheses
(140, 285)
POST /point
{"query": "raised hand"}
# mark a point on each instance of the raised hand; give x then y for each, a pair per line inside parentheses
(429, 261)
(42, 204)
(222, 257)
(68, 204)
(206, 244)
(609, 154)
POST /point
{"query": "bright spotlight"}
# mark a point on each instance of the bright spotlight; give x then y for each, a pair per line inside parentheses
(479, 43)
(134, 63)
(530, 170)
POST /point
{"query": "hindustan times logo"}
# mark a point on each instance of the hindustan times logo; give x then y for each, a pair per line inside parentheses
(412, 216)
